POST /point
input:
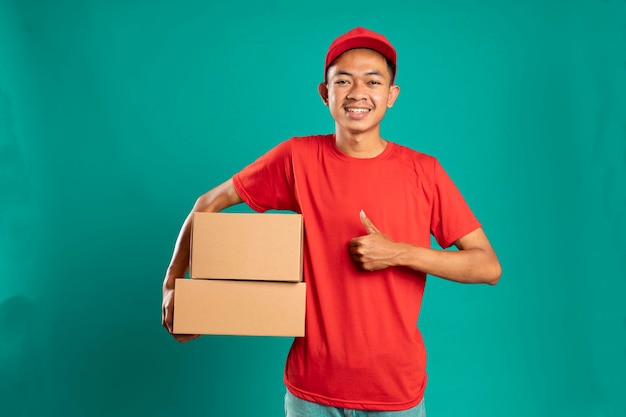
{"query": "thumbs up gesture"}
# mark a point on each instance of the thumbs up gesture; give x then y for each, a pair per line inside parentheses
(373, 251)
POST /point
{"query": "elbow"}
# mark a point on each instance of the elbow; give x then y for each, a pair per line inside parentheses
(219, 198)
(491, 268)
(492, 277)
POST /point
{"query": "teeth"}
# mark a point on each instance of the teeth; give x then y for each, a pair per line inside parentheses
(358, 110)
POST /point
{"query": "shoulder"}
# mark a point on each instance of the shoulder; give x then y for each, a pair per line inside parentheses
(309, 144)
(296, 146)
(311, 140)
(420, 161)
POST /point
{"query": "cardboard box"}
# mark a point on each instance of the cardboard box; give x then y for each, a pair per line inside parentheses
(247, 246)
(251, 308)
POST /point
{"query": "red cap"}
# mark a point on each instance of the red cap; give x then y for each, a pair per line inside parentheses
(361, 38)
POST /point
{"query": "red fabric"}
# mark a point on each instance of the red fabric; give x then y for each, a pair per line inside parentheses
(362, 348)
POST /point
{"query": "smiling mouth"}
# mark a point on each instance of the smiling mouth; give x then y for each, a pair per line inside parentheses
(357, 110)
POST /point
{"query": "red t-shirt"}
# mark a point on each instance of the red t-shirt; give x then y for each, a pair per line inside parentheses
(362, 348)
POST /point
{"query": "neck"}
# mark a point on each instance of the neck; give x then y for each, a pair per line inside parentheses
(360, 145)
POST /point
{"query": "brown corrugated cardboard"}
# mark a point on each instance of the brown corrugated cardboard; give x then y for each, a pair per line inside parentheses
(247, 246)
(251, 308)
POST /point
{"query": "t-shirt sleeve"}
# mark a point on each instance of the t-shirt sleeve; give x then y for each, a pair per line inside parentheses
(268, 182)
(451, 216)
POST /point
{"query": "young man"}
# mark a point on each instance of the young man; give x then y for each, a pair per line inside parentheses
(369, 207)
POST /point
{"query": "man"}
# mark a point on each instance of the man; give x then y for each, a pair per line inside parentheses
(369, 207)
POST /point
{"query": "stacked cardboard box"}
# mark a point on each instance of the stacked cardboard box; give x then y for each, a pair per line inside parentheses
(246, 276)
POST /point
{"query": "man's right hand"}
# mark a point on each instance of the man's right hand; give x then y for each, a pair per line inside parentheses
(167, 317)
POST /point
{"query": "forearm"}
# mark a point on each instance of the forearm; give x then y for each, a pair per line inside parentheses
(179, 264)
(471, 266)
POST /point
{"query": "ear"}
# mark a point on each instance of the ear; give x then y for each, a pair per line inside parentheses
(394, 91)
(323, 90)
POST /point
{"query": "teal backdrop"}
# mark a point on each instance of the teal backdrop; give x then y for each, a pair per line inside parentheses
(116, 115)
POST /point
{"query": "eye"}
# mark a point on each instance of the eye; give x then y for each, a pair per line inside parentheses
(374, 82)
(341, 82)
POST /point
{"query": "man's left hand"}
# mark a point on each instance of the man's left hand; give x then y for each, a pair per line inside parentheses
(375, 250)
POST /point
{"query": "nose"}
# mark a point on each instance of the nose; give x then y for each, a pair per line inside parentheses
(357, 91)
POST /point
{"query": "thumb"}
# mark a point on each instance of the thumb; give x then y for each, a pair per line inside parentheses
(369, 226)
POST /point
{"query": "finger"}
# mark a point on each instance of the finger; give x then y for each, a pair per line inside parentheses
(163, 317)
(369, 226)
(167, 320)
(354, 246)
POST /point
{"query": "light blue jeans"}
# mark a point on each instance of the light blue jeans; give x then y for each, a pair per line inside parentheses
(297, 407)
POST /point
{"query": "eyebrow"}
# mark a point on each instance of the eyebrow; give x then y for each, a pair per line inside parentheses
(372, 72)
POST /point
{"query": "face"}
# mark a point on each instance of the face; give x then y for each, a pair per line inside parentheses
(359, 91)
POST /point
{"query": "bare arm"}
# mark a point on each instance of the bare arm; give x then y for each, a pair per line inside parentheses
(217, 199)
(474, 262)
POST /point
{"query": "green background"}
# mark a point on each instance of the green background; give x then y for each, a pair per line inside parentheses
(115, 115)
